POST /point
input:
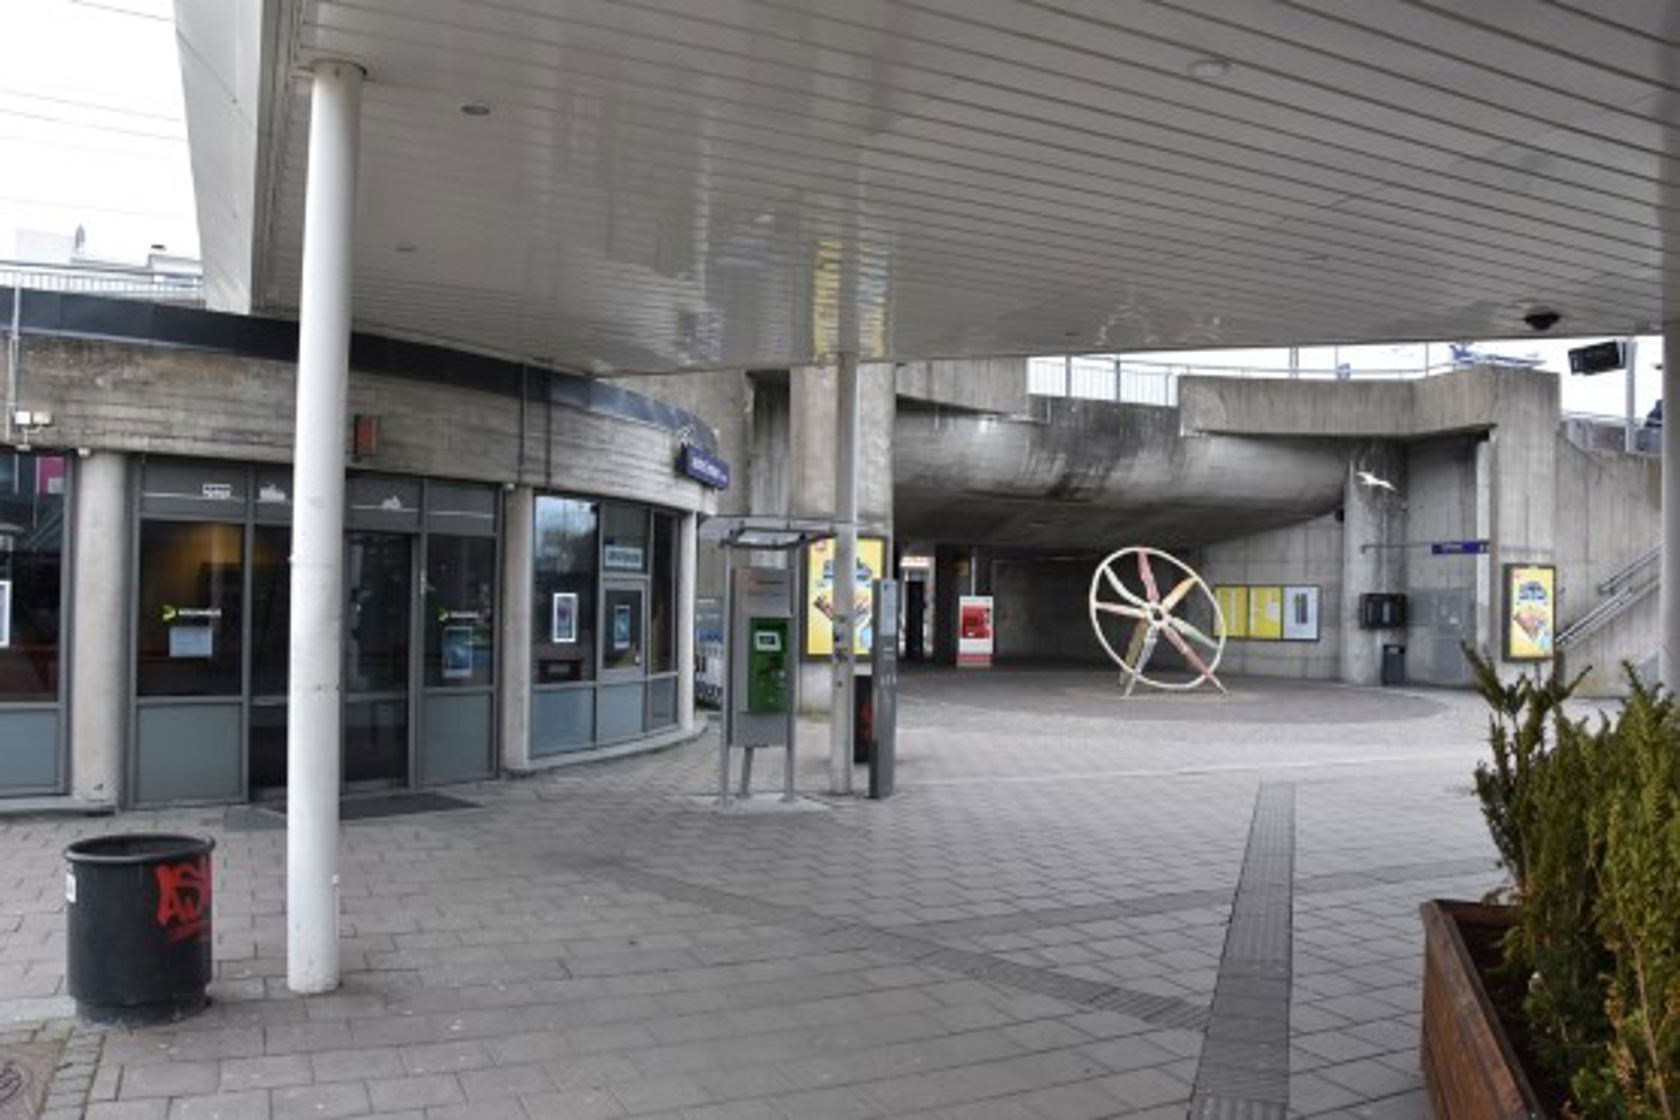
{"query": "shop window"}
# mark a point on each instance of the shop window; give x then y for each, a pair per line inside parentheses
(271, 609)
(190, 620)
(662, 596)
(32, 512)
(624, 538)
(460, 603)
(565, 541)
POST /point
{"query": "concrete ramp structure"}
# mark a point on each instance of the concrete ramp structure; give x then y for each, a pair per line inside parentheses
(1255, 482)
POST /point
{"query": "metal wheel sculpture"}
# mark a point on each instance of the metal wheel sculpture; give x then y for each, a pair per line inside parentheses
(1154, 619)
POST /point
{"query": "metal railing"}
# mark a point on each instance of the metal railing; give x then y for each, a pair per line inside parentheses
(1115, 378)
(180, 287)
(1625, 589)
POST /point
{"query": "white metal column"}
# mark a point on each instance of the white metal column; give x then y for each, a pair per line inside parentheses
(845, 569)
(687, 559)
(1669, 594)
(317, 609)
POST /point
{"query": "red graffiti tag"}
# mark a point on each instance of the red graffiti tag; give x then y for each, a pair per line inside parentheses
(183, 898)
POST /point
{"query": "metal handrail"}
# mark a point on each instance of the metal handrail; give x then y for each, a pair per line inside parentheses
(1605, 613)
(1626, 574)
(116, 281)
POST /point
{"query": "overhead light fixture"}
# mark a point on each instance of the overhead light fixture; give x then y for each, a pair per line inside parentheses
(1208, 69)
(475, 109)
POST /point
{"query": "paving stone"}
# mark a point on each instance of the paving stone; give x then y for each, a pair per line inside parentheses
(1048, 896)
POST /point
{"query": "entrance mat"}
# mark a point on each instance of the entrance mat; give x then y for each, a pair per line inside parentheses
(25, 1071)
(389, 805)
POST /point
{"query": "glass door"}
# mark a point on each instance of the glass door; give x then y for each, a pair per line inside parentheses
(622, 696)
(378, 626)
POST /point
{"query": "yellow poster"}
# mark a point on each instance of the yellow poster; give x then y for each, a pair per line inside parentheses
(1233, 604)
(819, 595)
(1265, 613)
(1530, 611)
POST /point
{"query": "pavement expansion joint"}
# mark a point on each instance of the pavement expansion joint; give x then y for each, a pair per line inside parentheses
(837, 934)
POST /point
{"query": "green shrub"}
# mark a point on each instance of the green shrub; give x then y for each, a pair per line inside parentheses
(1587, 821)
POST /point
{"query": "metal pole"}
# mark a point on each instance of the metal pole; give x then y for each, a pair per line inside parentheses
(687, 559)
(1630, 354)
(12, 347)
(1669, 653)
(317, 607)
(845, 575)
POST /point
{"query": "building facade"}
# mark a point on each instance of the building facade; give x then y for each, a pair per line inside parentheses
(518, 545)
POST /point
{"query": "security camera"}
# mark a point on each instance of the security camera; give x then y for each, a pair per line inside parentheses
(1542, 319)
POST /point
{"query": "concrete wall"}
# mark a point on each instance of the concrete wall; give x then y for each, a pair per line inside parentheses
(1609, 513)
(1444, 591)
(126, 397)
(1464, 400)
(1041, 610)
(1308, 553)
(997, 385)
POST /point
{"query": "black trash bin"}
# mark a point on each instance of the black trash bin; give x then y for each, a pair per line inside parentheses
(137, 915)
(1393, 666)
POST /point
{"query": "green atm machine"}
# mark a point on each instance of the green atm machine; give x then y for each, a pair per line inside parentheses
(763, 674)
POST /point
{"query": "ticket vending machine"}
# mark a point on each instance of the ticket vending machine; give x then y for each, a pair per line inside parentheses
(763, 674)
(883, 747)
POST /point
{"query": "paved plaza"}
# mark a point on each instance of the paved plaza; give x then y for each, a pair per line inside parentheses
(1076, 906)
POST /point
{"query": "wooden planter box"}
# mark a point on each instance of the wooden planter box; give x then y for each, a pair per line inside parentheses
(1469, 1064)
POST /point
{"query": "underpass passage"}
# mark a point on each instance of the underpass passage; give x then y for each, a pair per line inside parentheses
(1095, 475)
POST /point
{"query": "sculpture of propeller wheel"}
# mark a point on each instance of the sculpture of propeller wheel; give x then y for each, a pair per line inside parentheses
(1154, 619)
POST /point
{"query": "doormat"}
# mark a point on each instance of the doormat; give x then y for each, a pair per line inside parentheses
(25, 1071)
(389, 805)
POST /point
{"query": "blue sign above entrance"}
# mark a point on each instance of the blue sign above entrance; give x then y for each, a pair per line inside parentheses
(703, 467)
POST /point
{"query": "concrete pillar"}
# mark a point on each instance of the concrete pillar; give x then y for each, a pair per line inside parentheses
(945, 592)
(514, 635)
(1669, 652)
(1371, 562)
(687, 572)
(845, 568)
(99, 609)
(313, 743)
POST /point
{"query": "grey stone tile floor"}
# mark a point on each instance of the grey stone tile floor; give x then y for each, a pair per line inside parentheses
(1032, 927)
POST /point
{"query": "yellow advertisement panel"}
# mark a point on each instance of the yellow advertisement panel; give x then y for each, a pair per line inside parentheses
(1530, 611)
(819, 595)
(1233, 604)
(1265, 613)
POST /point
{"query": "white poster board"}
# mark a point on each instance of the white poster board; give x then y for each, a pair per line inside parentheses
(563, 624)
(975, 631)
(5, 613)
(1300, 614)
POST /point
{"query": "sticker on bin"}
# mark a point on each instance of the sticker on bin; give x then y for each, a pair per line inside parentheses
(69, 886)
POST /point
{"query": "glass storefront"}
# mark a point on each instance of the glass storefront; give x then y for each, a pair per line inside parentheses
(212, 633)
(34, 513)
(603, 623)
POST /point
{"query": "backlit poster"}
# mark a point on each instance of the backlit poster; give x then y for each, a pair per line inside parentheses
(1300, 614)
(976, 632)
(1530, 611)
(1233, 604)
(819, 595)
(1265, 613)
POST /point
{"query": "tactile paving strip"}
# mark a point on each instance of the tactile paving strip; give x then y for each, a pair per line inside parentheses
(1243, 1073)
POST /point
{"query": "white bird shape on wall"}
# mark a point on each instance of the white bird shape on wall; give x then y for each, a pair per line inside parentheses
(1370, 479)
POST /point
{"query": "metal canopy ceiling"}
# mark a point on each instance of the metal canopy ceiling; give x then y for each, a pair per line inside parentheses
(662, 184)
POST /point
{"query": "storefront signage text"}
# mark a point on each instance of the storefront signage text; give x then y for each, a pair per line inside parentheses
(703, 467)
(622, 557)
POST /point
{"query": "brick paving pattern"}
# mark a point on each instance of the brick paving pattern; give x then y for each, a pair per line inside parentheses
(1033, 927)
